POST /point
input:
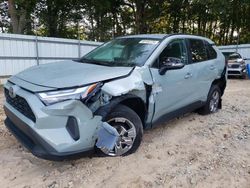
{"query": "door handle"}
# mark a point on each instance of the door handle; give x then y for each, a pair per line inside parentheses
(212, 67)
(188, 75)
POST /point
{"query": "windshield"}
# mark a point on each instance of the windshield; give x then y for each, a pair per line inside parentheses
(227, 54)
(234, 56)
(122, 52)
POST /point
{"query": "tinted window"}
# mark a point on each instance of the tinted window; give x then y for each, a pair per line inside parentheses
(176, 49)
(211, 53)
(198, 50)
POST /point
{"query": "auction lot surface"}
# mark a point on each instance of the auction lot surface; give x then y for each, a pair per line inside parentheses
(192, 151)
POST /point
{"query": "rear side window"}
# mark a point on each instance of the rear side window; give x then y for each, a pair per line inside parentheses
(198, 50)
(211, 53)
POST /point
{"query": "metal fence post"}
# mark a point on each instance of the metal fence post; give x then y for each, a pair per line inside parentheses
(79, 41)
(37, 51)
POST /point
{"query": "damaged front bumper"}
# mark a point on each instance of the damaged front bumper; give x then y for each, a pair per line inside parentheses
(63, 130)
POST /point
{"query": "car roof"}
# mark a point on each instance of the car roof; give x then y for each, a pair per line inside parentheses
(152, 36)
(230, 52)
(163, 36)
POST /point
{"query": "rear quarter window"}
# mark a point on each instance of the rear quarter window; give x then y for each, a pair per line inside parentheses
(211, 53)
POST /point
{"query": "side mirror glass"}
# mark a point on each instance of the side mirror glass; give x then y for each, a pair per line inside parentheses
(170, 63)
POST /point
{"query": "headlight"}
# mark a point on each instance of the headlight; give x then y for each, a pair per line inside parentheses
(242, 64)
(58, 96)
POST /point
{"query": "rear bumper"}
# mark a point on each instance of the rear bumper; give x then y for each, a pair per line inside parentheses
(35, 143)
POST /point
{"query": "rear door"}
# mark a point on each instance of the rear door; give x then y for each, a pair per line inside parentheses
(204, 66)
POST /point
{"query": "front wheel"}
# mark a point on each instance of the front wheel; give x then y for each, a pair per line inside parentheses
(213, 101)
(129, 126)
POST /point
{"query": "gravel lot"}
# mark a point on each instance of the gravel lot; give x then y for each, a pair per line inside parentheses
(191, 151)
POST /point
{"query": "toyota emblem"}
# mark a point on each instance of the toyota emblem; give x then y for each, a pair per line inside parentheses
(12, 92)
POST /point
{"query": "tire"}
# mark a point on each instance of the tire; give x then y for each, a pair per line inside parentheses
(213, 99)
(124, 118)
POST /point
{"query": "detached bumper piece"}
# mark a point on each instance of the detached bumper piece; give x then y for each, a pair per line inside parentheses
(107, 137)
(33, 142)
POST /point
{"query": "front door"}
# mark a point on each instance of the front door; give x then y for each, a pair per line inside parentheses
(175, 87)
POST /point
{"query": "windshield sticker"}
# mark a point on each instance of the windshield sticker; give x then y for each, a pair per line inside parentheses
(154, 42)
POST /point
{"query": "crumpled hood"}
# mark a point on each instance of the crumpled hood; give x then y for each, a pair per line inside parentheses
(70, 74)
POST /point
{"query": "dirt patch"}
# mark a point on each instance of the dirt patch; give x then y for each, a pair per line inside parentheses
(191, 151)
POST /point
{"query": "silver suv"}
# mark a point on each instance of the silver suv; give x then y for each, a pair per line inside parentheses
(103, 101)
(236, 64)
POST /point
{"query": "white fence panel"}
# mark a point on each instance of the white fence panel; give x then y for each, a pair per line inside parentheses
(18, 52)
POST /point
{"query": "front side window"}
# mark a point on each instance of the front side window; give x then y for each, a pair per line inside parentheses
(198, 50)
(123, 52)
(175, 49)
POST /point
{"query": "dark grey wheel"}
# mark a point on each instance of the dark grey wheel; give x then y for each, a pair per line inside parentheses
(129, 126)
(213, 101)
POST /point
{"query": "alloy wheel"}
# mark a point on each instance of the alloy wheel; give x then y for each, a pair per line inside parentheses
(127, 135)
(214, 101)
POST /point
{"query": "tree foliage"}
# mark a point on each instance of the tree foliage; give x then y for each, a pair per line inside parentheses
(220, 20)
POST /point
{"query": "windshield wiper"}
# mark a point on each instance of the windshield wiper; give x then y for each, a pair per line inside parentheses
(106, 63)
(123, 64)
(92, 61)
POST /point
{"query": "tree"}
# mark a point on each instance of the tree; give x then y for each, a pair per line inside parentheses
(103, 20)
(56, 15)
(19, 11)
(4, 18)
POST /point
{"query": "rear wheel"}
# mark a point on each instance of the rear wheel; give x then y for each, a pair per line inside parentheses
(213, 101)
(129, 126)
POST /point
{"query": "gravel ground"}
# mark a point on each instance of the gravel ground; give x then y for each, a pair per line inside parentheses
(191, 151)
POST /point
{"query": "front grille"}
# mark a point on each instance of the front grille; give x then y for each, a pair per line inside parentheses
(20, 104)
(234, 66)
(234, 72)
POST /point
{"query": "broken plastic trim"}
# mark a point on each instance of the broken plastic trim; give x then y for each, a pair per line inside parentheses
(107, 137)
(93, 95)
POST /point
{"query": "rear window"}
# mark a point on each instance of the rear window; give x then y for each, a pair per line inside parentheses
(198, 50)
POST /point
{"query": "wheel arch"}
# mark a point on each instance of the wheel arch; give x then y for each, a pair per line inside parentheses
(221, 83)
(132, 101)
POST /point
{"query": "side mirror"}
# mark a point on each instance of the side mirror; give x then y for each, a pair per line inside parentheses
(170, 63)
